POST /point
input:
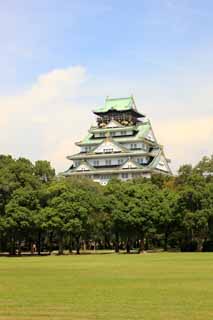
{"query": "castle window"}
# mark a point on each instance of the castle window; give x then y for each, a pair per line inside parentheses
(108, 150)
(133, 145)
(102, 134)
(87, 149)
(120, 161)
(105, 177)
(144, 146)
(142, 160)
(96, 162)
(108, 162)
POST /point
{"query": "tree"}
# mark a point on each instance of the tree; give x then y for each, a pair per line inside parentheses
(144, 207)
(205, 165)
(19, 216)
(44, 171)
(207, 207)
(189, 206)
(67, 212)
(117, 201)
(184, 172)
(168, 215)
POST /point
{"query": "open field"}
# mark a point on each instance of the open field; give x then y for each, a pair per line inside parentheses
(149, 286)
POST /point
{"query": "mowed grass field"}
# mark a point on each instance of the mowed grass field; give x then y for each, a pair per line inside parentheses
(149, 286)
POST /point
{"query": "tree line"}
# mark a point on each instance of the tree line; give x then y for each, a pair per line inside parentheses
(38, 208)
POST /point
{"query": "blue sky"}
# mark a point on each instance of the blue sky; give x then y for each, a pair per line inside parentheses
(158, 50)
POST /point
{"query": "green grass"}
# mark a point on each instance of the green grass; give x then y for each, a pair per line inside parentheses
(150, 286)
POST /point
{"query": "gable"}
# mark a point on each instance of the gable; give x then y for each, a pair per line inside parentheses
(162, 164)
(113, 124)
(108, 146)
(83, 167)
(150, 136)
(130, 164)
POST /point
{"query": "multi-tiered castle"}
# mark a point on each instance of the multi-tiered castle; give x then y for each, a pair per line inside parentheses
(122, 145)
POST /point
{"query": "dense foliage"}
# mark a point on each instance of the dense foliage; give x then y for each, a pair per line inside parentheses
(40, 210)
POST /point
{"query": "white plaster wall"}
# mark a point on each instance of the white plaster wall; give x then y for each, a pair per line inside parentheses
(140, 145)
(83, 167)
(114, 134)
(114, 161)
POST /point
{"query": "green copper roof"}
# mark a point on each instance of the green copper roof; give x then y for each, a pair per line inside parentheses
(142, 129)
(118, 104)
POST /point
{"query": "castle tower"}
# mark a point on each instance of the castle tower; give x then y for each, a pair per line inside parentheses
(122, 145)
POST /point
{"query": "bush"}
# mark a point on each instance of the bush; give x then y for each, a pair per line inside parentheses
(208, 246)
(190, 246)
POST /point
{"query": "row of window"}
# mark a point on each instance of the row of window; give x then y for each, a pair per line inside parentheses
(123, 176)
(89, 148)
(86, 149)
(113, 134)
(108, 150)
(138, 146)
(142, 160)
(108, 177)
(105, 177)
(107, 162)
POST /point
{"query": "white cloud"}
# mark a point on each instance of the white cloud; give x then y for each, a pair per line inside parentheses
(51, 88)
(57, 84)
(36, 122)
(186, 140)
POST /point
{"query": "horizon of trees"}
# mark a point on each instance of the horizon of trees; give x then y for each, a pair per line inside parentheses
(56, 213)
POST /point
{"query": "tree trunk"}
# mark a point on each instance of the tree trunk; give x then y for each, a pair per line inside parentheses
(70, 244)
(39, 243)
(13, 246)
(19, 248)
(142, 244)
(128, 245)
(51, 242)
(117, 242)
(146, 244)
(1, 242)
(78, 245)
(105, 242)
(31, 247)
(166, 241)
(84, 245)
(60, 244)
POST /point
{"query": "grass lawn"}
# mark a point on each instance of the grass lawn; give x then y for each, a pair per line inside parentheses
(150, 286)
